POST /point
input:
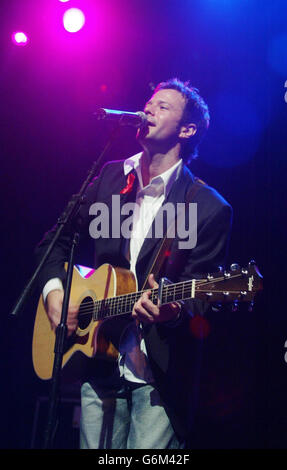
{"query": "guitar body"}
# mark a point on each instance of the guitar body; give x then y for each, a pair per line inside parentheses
(106, 298)
(91, 336)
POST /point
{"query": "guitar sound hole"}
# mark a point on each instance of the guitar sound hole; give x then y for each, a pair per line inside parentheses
(85, 312)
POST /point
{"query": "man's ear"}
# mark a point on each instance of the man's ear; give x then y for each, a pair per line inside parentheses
(187, 131)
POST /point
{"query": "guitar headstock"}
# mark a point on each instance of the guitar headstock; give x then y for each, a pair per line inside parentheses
(236, 285)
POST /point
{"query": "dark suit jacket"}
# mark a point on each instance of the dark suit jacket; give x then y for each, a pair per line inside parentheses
(169, 346)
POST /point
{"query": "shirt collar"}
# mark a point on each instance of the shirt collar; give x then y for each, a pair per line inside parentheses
(163, 182)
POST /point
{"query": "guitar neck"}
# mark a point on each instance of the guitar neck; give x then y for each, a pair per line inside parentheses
(239, 286)
(123, 304)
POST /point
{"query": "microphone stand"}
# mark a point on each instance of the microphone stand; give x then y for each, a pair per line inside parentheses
(61, 331)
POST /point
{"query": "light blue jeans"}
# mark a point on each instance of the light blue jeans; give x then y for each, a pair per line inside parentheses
(124, 418)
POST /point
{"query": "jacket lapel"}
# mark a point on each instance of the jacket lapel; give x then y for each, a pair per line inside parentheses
(176, 194)
(124, 199)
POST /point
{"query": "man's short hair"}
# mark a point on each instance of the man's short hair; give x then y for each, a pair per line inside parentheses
(195, 111)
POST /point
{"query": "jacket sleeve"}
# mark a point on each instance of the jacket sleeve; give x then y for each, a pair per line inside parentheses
(209, 253)
(164, 339)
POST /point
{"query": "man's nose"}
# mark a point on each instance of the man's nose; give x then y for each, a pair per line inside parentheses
(149, 110)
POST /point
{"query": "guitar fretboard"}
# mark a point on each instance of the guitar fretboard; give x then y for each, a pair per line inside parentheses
(240, 286)
(123, 304)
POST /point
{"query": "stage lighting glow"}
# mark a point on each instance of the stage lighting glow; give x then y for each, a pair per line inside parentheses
(73, 20)
(20, 38)
(277, 57)
(238, 125)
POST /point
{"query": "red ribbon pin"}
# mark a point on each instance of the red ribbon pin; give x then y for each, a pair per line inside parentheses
(129, 186)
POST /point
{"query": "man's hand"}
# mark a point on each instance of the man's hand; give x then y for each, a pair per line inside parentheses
(54, 304)
(144, 310)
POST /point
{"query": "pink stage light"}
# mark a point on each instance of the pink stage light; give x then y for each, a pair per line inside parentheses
(73, 20)
(20, 38)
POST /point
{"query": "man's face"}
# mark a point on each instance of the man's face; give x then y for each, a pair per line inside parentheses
(164, 113)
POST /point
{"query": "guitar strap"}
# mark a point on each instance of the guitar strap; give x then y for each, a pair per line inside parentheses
(167, 242)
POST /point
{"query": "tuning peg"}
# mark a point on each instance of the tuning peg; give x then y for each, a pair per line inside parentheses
(220, 269)
(250, 308)
(251, 263)
(234, 267)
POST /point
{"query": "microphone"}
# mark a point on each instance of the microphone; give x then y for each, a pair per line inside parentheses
(124, 118)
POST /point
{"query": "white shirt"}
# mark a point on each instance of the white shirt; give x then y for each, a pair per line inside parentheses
(149, 200)
(133, 363)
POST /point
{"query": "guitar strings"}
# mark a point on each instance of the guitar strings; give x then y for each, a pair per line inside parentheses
(126, 298)
(179, 288)
(183, 287)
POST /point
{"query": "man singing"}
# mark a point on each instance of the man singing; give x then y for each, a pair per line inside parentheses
(143, 400)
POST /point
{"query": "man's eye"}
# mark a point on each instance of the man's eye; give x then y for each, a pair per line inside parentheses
(163, 107)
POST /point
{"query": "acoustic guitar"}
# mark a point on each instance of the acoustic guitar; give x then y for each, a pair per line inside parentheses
(106, 297)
